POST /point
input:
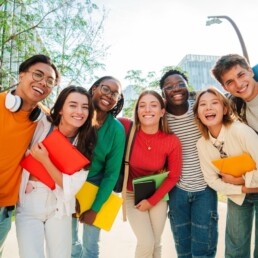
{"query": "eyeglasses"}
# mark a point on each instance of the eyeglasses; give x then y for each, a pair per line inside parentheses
(172, 87)
(106, 90)
(37, 76)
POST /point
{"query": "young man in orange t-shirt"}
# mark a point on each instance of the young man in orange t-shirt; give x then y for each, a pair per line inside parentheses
(19, 115)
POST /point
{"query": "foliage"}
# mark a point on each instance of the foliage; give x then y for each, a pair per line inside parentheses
(139, 82)
(68, 31)
(19, 37)
(76, 45)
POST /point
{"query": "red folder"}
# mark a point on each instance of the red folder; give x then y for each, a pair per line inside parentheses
(63, 155)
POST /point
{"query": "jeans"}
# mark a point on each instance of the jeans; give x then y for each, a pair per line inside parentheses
(194, 222)
(5, 225)
(76, 243)
(90, 241)
(239, 227)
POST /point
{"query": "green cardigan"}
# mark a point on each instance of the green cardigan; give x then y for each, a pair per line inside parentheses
(107, 159)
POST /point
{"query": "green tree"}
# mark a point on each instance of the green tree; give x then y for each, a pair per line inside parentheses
(19, 24)
(75, 43)
(68, 31)
(141, 82)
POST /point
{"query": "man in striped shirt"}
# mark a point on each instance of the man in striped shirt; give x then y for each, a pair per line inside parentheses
(192, 204)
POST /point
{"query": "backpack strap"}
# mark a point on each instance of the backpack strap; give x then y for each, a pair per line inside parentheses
(131, 135)
(239, 105)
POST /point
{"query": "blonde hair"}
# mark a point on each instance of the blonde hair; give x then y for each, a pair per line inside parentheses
(228, 118)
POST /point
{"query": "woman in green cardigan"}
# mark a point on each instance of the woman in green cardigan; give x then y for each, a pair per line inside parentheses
(105, 166)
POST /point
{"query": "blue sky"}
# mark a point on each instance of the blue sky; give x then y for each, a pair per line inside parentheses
(149, 34)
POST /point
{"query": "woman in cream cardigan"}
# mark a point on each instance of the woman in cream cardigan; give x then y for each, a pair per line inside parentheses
(223, 136)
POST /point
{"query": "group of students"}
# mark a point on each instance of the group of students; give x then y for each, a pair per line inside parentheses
(178, 136)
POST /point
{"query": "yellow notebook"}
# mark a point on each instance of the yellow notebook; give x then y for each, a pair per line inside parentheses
(235, 165)
(108, 212)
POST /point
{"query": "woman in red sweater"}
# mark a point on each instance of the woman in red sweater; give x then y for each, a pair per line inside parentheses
(153, 148)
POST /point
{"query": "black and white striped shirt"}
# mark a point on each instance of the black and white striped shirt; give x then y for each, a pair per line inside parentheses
(187, 131)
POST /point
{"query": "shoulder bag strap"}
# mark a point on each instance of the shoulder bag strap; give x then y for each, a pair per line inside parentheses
(126, 172)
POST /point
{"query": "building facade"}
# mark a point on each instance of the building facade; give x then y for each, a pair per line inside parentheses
(198, 68)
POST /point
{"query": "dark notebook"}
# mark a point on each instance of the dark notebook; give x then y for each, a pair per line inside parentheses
(143, 190)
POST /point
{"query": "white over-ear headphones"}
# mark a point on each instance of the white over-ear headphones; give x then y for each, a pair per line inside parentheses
(14, 104)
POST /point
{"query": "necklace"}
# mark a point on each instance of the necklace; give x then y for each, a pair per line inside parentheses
(148, 141)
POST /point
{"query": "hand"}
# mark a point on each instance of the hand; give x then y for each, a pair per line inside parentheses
(77, 209)
(88, 217)
(39, 152)
(231, 179)
(77, 206)
(249, 190)
(143, 205)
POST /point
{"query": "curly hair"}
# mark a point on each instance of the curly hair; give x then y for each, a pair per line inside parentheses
(120, 103)
(171, 72)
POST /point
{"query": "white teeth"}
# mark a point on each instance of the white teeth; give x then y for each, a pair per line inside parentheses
(38, 90)
(243, 89)
(148, 116)
(105, 102)
(208, 115)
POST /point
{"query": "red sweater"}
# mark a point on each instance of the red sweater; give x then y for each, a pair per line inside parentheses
(144, 161)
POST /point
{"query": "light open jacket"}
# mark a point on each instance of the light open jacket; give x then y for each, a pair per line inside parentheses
(238, 138)
(71, 183)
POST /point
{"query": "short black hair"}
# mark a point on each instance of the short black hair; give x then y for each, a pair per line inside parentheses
(24, 66)
(171, 72)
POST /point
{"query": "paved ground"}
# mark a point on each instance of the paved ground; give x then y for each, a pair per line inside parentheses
(120, 241)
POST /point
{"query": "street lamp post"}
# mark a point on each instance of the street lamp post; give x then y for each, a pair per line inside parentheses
(216, 19)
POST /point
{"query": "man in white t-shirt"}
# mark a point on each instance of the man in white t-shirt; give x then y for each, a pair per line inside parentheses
(237, 77)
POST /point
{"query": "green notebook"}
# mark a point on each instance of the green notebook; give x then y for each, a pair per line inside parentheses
(158, 178)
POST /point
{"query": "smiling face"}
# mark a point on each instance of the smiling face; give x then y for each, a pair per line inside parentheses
(149, 112)
(32, 91)
(102, 101)
(74, 112)
(210, 112)
(175, 90)
(240, 83)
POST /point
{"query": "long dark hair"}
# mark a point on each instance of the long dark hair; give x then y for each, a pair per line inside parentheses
(87, 135)
(120, 103)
